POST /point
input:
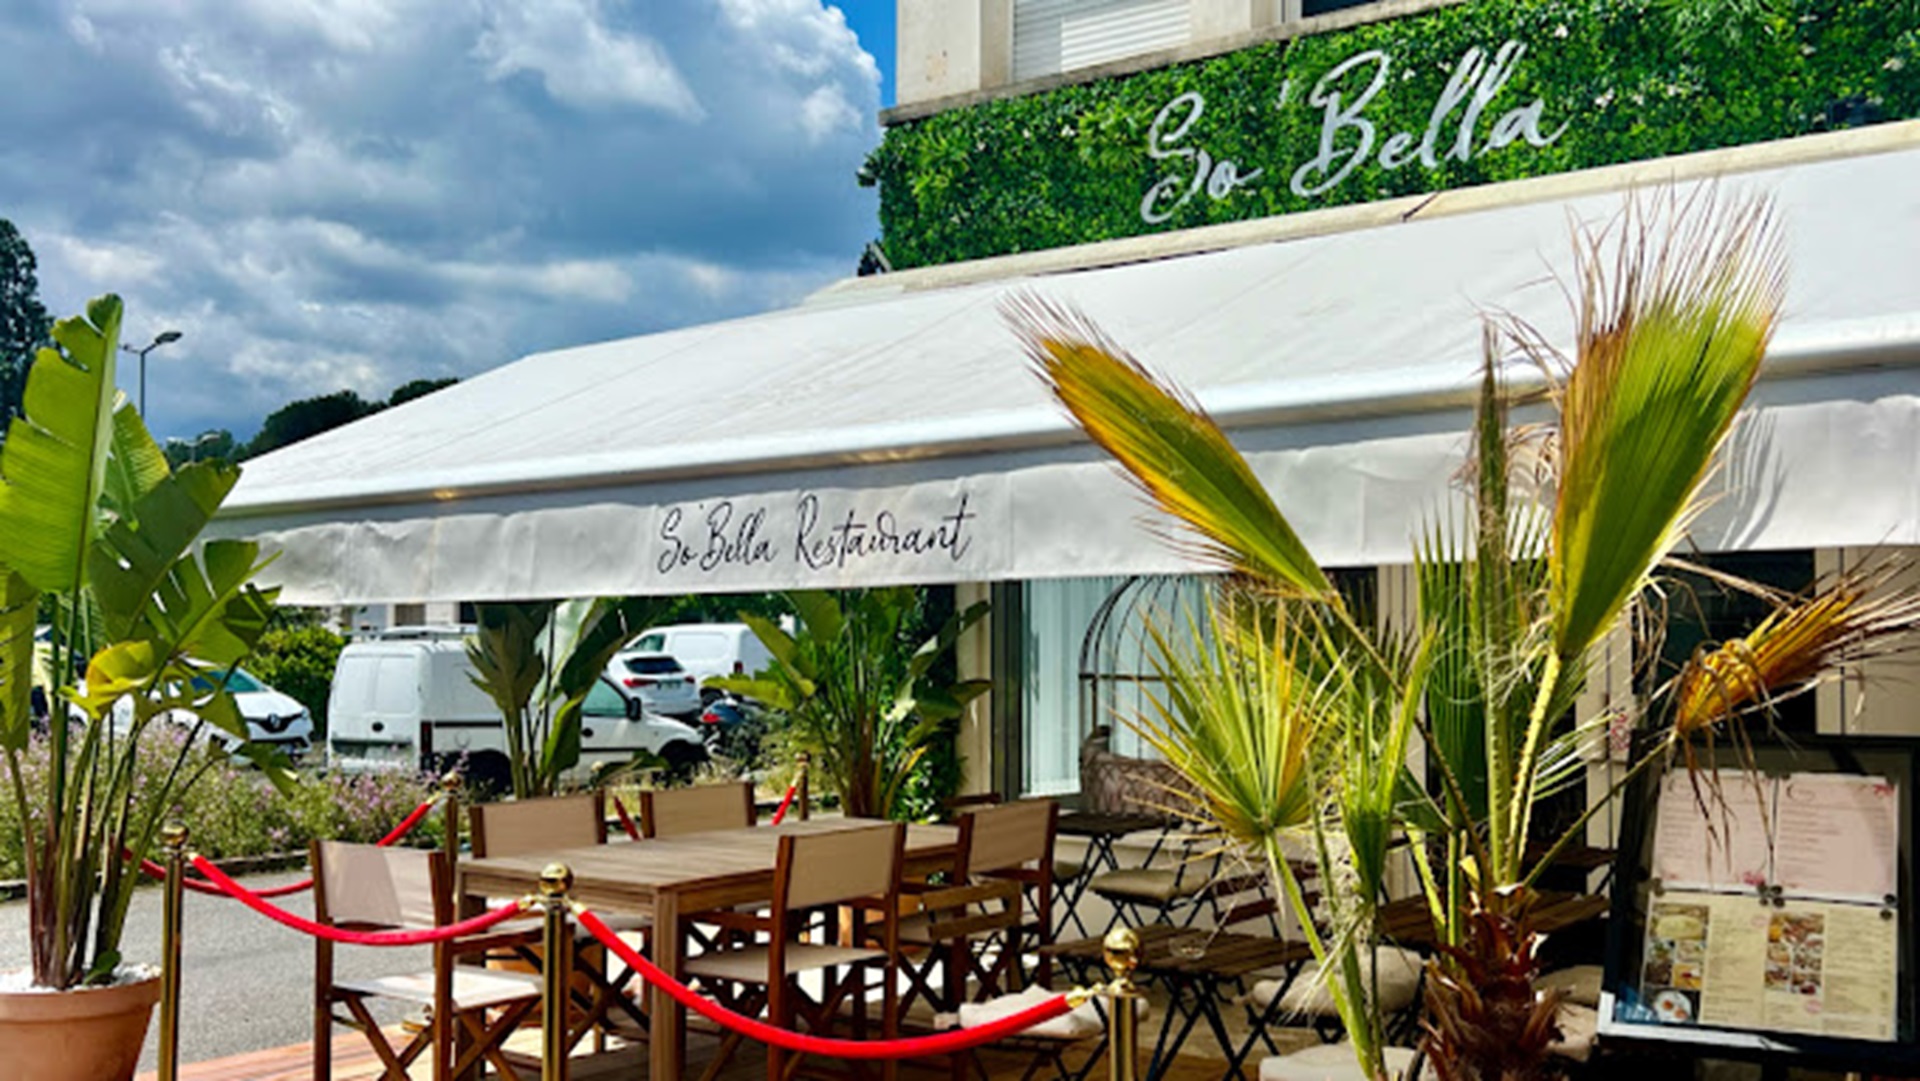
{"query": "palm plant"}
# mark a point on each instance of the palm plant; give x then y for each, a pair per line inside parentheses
(1676, 303)
(859, 691)
(540, 694)
(93, 519)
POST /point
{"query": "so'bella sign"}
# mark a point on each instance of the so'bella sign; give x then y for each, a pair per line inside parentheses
(824, 537)
(1468, 119)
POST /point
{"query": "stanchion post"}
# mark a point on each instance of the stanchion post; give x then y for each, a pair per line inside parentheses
(803, 797)
(450, 793)
(1122, 947)
(174, 835)
(555, 882)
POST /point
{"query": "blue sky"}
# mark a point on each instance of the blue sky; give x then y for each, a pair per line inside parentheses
(327, 194)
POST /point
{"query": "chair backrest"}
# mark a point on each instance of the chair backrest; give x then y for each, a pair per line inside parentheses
(1009, 836)
(367, 885)
(817, 869)
(538, 825)
(670, 812)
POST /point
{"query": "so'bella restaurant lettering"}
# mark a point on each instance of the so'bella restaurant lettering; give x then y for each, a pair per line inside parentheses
(809, 533)
(1465, 122)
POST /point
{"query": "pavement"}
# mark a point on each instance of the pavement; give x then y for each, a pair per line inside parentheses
(248, 982)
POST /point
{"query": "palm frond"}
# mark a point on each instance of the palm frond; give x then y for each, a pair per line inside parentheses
(1677, 309)
(1168, 446)
(1849, 619)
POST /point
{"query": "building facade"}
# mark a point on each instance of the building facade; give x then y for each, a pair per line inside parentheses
(1049, 136)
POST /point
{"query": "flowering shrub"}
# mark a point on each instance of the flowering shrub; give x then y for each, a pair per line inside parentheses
(234, 811)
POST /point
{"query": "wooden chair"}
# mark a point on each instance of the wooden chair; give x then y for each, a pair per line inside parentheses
(972, 927)
(366, 887)
(519, 827)
(670, 812)
(858, 868)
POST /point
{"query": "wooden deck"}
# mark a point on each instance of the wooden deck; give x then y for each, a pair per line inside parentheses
(353, 1060)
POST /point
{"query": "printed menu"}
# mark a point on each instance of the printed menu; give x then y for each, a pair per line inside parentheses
(1775, 905)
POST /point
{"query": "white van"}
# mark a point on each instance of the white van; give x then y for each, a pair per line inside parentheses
(412, 704)
(708, 649)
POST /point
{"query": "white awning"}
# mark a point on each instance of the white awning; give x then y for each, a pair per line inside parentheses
(885, 436)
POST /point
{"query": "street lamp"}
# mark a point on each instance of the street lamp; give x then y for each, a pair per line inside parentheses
(165, 337)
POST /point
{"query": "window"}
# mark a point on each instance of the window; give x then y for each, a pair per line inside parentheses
(603, 701)
(656, 665)
(1052, 36)
(1311, 8)
(1085, 662)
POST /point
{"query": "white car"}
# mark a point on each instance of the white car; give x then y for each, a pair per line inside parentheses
(273, 719)
(658, 680)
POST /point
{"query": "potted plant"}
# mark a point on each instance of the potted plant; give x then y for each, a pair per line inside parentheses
(1291, 714)
(859, 691)
(97, 529)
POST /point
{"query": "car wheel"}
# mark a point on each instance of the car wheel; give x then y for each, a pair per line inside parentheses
(683, 760)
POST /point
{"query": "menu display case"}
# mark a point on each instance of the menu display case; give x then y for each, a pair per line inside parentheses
(1769, 912)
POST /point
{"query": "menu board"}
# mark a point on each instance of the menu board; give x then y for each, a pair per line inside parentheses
(1744, 962)
(1775, 905)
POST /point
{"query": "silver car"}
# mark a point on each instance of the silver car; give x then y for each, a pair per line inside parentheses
(658, 680)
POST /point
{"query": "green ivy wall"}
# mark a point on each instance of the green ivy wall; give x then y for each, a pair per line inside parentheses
(1628, 80)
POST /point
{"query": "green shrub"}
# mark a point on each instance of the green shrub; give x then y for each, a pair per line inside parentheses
(299, 661)
(234, 811)
(1631, 79)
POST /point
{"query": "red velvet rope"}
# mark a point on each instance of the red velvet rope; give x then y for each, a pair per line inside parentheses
(359, 938)
(156, 871)
(913, 1047)
(626, 820)
(786, 801)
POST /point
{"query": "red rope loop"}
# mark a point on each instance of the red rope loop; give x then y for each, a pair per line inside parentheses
(786, 801)
(359, 938)
(626, 820)
(913, 1047)
(156, 871)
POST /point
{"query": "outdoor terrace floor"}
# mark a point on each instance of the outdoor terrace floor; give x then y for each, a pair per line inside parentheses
(353, 1060)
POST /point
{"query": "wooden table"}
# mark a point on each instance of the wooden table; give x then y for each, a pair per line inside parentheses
(676, 877)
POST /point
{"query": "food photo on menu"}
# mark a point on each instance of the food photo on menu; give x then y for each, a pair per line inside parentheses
(1777, 911)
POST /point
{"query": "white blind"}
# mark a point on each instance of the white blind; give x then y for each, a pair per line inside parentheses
(1051, 36)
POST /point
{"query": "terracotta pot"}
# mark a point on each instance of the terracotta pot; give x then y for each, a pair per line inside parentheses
(87, 1035)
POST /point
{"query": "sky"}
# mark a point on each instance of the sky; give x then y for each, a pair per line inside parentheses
(331, 194)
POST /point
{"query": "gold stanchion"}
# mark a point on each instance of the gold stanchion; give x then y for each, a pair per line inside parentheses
(174, 835)
(450, 792)
(803, 797)
(1122, 948)
(556, 993)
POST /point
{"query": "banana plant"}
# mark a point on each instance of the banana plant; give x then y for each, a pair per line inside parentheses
(1675, 305)
(540, 693)
(92, 517)
(858, 691)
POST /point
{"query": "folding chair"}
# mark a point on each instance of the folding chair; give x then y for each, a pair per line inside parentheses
(859, 868)
(1145, 895)
(516, 827)
(972, 928)
(366, 887)
(670, 812)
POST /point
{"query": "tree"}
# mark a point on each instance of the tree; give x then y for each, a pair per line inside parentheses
(24, 324)
(1292, 717)
(417, 388)
(212, 445)
(306, 418)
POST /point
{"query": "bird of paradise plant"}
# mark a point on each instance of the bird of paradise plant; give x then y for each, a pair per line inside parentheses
(94, 519)
(1676, 301)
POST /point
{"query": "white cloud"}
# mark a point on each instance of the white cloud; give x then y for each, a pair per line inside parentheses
(353, 193)
(581, 60)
